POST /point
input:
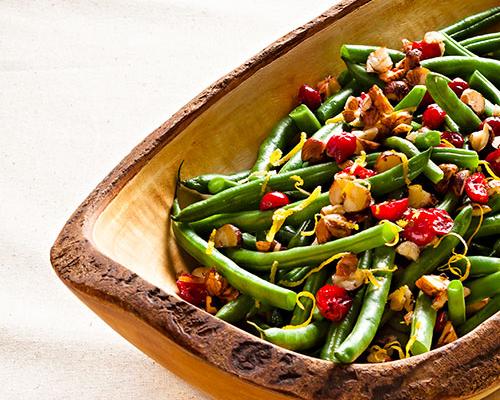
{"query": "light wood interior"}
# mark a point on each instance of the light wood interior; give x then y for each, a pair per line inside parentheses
(134, 230)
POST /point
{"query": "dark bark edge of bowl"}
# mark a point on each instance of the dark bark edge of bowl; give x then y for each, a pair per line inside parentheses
(463, 369)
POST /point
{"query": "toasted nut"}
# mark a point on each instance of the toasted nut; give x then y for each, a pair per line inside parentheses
(401, 298)
(379, 61)
(448, 335)
(396, 90)
(476, 306)
(387, 160)
(347, 265)
(393, 74)
(439, 300)
(402, 129)
(330, 209)
(367, 134)
(216, 284)
(435, 37)
(227, 236)
(332, 226)
(432, 285)
(209, 308)
(367, 145)
(411, 60)
(351, 109)
(379, 101)
(493, 187)
(449, 171)
(416, 76)
(389, 122)
(419, 198)
(201, 272)
(479, 139)
(458, 182)
(313, 150)
(328, 86)
(474, 100)
(408, 250)
(357, 197)
(265, 246)
(336, 191)
(351, 282)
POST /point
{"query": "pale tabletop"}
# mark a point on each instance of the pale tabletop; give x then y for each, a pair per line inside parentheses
(81, 83)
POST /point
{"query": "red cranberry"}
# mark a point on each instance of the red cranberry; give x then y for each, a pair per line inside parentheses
(310, 97)
(341, 146)
(424, 224)
(273, 200)
(458, 86)
(441, 320)
(455, 138)
(433, 116)
(391, 209)
(476, 187)
(359, 172)
(494, 160)
(427, 100)
(191, 289)
(333, 302)
(429, 50)
(494, 123)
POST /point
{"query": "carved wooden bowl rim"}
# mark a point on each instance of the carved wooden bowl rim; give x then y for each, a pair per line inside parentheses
(461, 369)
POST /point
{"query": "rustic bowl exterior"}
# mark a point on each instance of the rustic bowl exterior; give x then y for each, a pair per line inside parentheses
(117, 254)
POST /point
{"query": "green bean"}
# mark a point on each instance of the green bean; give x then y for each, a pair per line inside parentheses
(249, 241)
(293, 275)
(358, 54)
(479, 38)
(437, 85)
(296, 339)
(338, 331)
(394, 178)
(412, 99)
(335, 103)
(449, 202)
(487, 286)
(285, 234)
(489, 227)
(372, 158)
(489, 108)
(422, 326)
(200, 182)
(482, 315)
(456, 302)
(299, 240)
(431, 170)
(484, 47)
(246, 282)
(236, 310)
(313, 283)
(322, 134)
(450, 124)
(344, 78)
(280, 136)
(479, 82)
(496, 249)
(472, 24)
(464, 67)
(494, 203)
(371, 311)
(479, 265)
(249, 194)
(367, 239)
(305, 119)
(427, 139)
(220, 184)
(364, 79)
(432, 257)
(461, 157)
(415, 125)
(454, 48)
(479, 249)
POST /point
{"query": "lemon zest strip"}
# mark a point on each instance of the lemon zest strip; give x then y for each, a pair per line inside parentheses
(317, 217)
(211, 242)
(274, 269)
(276, 160)
(486, 165)
(298, 183)
(310, 296)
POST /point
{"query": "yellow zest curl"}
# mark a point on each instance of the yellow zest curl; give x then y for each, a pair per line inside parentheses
(481, 216)
(334, 120)
(456, 257)
(312, 271)
(276, 160)
(211, 243)
(274, 269)
(361, 161)
(298, 183)
(447, 143)
(486, 165)
(310, 296)
(395, 229)
(412, 340)
(281, 214)
(317, 217)
(266, 180)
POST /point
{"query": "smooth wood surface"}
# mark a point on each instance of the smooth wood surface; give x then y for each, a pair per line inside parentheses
(118, 248)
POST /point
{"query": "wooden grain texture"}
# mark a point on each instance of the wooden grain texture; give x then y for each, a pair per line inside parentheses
(117, 249)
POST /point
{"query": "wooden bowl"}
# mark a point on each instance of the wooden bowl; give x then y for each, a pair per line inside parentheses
(117, 253)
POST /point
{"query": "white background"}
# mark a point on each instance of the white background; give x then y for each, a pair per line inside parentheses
(81, 83)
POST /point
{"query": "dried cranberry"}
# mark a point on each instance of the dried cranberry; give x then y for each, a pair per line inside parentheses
(441, 320)
(455, 138)
(427, 100)
(494, 123)
(359, 172)
(391, 210)
(192, 289)
(458, 86)
(341, 146)
(494, 160)
(433, 116)
(429, 50)
(425, 224)
(333, 302)
(476, 187)
(310, 97)
(273, 200)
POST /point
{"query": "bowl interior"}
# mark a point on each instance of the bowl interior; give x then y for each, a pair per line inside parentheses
(134, 228)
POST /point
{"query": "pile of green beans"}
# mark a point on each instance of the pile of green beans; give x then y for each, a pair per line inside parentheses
(279, 285)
